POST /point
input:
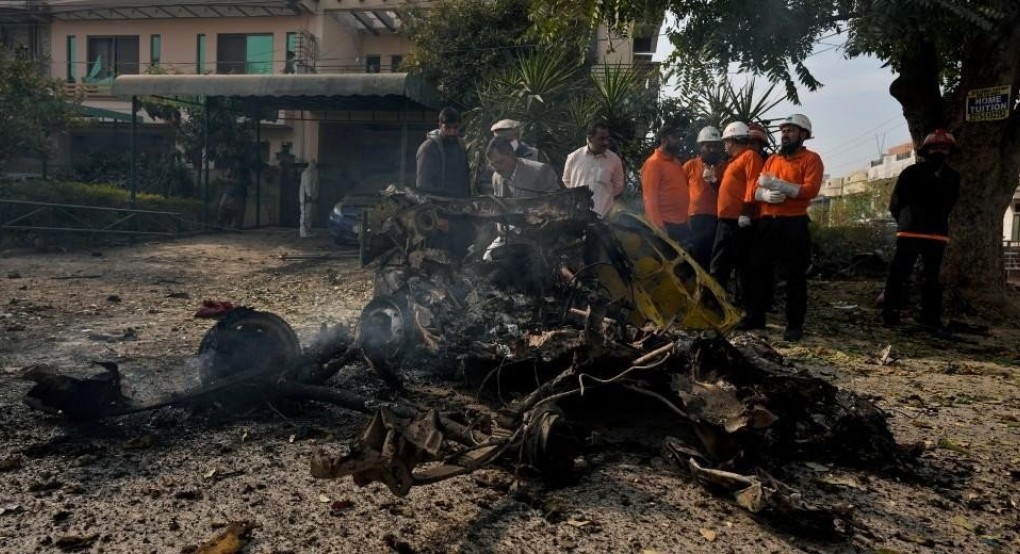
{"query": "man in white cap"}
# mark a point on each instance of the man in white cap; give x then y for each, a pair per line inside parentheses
(508, 129)
(511, 130)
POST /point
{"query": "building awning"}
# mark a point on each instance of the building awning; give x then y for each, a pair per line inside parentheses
(331, 91)
(102, 10)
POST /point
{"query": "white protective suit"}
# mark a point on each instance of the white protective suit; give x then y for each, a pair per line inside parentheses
(309, 194)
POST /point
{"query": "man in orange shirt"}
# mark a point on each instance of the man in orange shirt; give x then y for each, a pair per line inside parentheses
(703, 175)
(788, 182)
(734, 205)
(664, 188)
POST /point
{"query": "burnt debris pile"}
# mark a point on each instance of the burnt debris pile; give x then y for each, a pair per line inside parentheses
(542, 310)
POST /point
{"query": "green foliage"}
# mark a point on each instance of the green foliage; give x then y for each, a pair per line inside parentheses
(722, 103)
(574, 23)
(457, 44)
(99, 195)
(231, 130)
(32, 107)
(626, 98)
(164, 173)
(557, 100)
(872, 205)
(540, 90)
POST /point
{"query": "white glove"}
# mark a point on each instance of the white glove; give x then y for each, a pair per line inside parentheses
(765, 181)
(709, 175)
(743, 221)
(769, 196)
(791, 190)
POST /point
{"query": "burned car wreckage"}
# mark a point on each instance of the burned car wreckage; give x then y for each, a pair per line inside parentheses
(567, 310)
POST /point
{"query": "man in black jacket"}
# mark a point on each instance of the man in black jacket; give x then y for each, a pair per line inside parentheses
(443, 171)
(925, 193)
(442, 159)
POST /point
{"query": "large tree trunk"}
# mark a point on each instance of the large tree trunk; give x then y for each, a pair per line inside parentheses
(989, 152)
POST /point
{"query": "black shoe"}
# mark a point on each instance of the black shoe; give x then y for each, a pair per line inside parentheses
(793, 334)
(748, 324)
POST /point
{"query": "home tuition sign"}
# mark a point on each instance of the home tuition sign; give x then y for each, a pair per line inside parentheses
(988, 104)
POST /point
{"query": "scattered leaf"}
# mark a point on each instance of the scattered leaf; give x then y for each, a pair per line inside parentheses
(991, 540)
(816, 467)
(949, 444)
(340, 506)
(210, 474)
(10, 509)
(750, 498)
(709, 534)
(324, 499)
(885, 357)
(229, 541)
(840, 481)
(578, 522)
(961, 521)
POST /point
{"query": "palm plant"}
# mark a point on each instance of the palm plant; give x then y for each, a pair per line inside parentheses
(721, 102)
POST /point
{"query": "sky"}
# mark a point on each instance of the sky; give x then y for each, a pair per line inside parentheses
(852, 115)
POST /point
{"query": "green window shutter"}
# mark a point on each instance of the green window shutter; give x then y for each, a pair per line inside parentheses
(259, 55)
(200, 55)
(155, 50)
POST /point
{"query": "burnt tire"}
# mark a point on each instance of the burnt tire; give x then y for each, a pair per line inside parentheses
(251, 342)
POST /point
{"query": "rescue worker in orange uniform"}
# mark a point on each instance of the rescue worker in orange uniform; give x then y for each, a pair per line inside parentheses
(664, 188)
(704, 172)
(734, 206)
(790, 179)
(924, 195)
(759, 139)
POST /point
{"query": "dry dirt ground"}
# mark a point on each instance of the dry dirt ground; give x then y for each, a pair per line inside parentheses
(169, 480)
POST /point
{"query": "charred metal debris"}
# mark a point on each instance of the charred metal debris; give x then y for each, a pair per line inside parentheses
(567, 310)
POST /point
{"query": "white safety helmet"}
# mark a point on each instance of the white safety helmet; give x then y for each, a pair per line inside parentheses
(736, 130)
(709, 134)
(798, 120)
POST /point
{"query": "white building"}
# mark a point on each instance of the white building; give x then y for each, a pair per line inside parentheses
(894, 161)
(1011, 221)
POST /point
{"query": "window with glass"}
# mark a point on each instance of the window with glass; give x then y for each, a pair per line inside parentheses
(111, 56)
(244, 54)
(72, 58)
(395, 62)
(155, 50)
(1016, 222)
(372, 64)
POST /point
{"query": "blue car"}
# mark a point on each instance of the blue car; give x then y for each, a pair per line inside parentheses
(345, 219)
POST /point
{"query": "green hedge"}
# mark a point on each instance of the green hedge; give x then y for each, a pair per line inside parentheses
(99, 195)
(89, 195)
